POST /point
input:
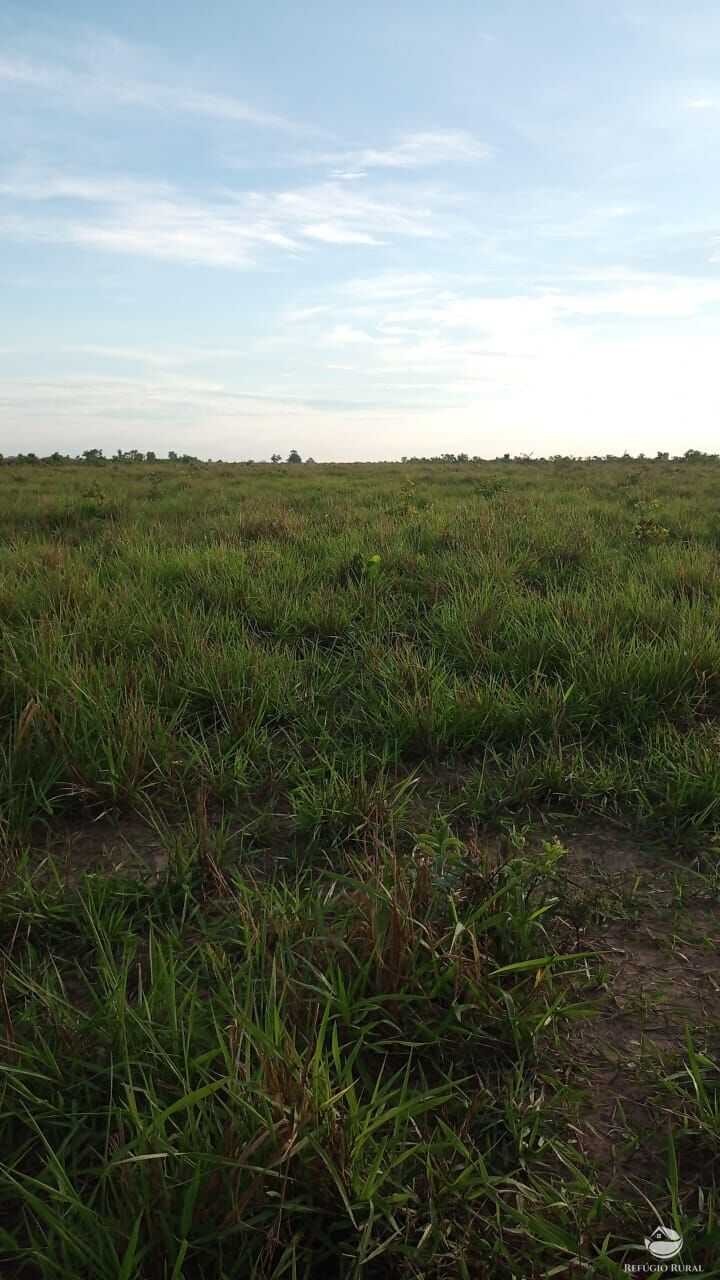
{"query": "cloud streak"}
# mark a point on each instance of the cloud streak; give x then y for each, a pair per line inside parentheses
(156, 220)
(103, 88)
(411, 151)
(475, 342)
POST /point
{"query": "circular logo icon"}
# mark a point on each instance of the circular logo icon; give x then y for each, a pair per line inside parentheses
(664, 1243)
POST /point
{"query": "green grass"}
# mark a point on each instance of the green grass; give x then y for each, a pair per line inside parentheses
(335, 1035)
(227, 629)
(289, 1075)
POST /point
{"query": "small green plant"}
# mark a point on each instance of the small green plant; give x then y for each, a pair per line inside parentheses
(440, 857)
(647, 527)
(650, 531)
(361, 568)
(491, 487)
(410, 504)
(96, 504)
(156, 478)
(96, 494)
(372, 566)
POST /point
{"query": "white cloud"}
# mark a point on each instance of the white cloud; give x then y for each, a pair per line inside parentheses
(346, 335)
(534, 357)
(388, 284)
(577, 399)
(329, 233)
(418, 149)
(103, 87)
(408, 151)
(41, 184)
(563, 369)
(156, 220)
(172, 231)
(344, 175)
(26, 73)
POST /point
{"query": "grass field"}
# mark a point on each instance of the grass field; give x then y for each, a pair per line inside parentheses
(360, 885)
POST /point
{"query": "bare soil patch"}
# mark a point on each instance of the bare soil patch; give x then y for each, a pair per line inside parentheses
(127, 847)
(652, 919)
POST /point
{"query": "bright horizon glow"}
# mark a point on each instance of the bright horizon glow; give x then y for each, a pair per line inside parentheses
(360, 232)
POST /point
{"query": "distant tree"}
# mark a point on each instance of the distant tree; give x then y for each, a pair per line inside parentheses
(172, 456)
(93, 457)
(131, 455)
(697, 455)
(294, 456)
(276, 457)
(150, 456)
(310, 460)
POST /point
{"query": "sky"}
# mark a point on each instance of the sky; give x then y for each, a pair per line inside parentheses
(360, 230)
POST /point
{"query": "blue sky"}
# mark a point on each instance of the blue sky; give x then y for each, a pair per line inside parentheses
(360, 231)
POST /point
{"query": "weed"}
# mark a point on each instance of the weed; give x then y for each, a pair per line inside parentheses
(155, 478)
(490, 487)
(647, 527)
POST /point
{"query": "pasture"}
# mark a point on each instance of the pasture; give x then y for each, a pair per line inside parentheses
(359, 911)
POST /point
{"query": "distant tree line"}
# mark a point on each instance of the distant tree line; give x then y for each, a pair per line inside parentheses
(96, 458)
(690, 455)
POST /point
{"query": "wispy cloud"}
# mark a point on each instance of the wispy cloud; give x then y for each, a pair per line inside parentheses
(472, 338)
(229, 228)
(408, 151)
(81, 85)
(422, 357)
